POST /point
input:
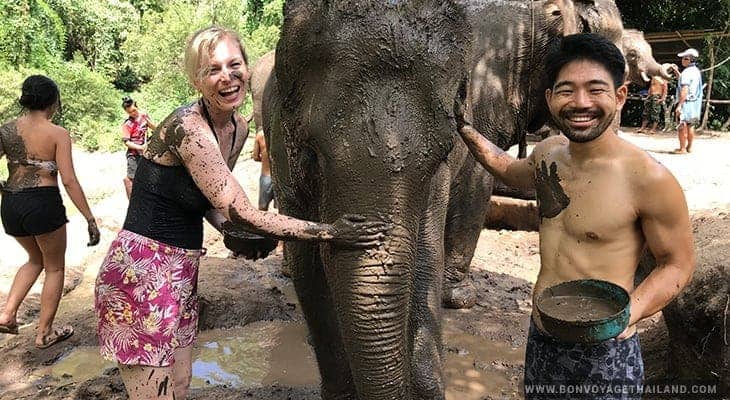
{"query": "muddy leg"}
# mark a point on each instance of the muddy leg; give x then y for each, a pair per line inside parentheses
(148, 383)
(182, 372)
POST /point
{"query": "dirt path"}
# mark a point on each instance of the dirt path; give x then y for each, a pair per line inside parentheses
(484, 346)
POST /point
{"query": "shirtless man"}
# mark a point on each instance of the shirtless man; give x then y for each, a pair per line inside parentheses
(653, 104)
(601, 200)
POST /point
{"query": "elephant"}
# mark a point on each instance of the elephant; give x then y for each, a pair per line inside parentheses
(506, 99)
(360, 120)
(640, 62)
(260, 72)
(502, 103)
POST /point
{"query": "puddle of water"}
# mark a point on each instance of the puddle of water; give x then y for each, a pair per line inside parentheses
(79, 365)
(259, 354)
(479, 367)
(275, 352)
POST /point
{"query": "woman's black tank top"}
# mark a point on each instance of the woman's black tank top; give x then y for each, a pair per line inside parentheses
(166, 205)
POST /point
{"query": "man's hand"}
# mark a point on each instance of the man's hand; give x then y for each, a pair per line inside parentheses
(460, 108)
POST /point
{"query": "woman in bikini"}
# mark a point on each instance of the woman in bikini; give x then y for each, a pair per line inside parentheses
(32, 211)
(146, 300)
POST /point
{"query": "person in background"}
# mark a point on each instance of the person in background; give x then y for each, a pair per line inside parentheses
(134, 136)
(689, 100)
(601, 200)
(266, 187)
(32, 211)
(656, 97)
(146, 290)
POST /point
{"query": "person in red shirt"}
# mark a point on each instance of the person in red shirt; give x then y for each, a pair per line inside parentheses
(134, 136)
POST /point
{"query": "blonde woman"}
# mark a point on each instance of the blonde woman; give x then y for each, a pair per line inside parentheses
(146, 300)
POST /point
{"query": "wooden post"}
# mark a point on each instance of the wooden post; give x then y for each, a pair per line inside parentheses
(709, 84)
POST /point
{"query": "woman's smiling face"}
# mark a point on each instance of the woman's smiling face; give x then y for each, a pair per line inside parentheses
(226, 74)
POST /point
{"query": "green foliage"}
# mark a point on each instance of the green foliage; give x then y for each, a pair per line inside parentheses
(90, 110)
(10, 83)
(31, 33)
(92, 47)
(96, 30)
(672, 15)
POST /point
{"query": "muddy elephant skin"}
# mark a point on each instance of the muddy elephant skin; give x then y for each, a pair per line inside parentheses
(361, 121)
(506, 99)
(260, 72)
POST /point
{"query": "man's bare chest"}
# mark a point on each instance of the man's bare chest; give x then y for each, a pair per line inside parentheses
(595, 205)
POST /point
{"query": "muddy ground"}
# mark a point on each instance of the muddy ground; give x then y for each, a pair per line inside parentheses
(484, 345)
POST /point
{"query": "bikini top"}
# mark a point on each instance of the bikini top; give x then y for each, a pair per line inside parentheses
(49, 166)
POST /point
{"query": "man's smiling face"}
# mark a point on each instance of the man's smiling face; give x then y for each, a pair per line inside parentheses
(583, 102)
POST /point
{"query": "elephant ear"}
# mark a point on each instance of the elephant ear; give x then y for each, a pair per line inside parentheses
(561, 15)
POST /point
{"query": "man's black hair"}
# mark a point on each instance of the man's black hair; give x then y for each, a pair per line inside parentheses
(585, 46)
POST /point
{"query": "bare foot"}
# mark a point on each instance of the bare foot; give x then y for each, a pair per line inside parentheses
(652, 132)
(640, 130)
(680, 151)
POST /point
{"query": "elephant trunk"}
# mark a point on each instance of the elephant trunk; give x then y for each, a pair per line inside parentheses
(372, 294)
(655, 69)
(372, 289)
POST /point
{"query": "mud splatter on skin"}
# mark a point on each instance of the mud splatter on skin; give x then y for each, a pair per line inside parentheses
(170, 135)
(22, 174)
(551, 197)
(162, 387)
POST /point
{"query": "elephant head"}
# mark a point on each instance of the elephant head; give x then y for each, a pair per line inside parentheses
(582, 16)
(640, 61)
(361, 122)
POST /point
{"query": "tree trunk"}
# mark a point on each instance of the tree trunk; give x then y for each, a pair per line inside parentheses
(709, 85)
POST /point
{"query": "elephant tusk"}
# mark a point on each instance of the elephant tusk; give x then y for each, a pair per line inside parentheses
(644, 76)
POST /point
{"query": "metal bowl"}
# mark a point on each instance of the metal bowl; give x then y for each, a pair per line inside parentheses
(584, 311)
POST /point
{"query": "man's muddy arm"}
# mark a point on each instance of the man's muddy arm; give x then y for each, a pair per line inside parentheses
(514, 172)
(665, 223)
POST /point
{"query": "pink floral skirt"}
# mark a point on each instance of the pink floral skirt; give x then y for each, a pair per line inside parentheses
(146, 300)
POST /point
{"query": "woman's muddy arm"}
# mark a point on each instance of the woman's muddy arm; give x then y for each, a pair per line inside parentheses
(64, 161)
(201, 156)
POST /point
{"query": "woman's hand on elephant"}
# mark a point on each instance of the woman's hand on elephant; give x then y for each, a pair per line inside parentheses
(355, 231)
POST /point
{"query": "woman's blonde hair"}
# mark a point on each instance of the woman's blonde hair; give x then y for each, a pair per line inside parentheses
(201, 45)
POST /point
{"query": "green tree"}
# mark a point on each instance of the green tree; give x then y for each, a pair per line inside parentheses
(31, 33)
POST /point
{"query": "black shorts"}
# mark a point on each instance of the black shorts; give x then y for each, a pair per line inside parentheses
(32, 211)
